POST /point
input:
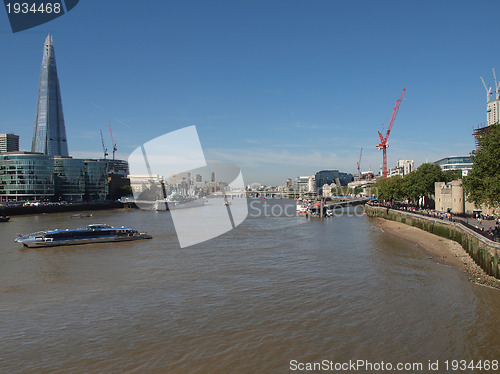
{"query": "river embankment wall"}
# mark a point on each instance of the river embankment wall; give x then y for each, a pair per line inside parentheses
(56, 208)
(484, 252)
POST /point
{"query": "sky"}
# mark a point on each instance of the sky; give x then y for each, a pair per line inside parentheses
(280, 88)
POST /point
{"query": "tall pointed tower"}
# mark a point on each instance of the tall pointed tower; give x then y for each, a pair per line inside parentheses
(49, 136)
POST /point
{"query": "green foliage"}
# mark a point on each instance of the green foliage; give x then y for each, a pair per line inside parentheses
(390, 188)
(413, 185)
(482, 185)
(126, 190)
(421, 181)
(358, 190)
(451, 175)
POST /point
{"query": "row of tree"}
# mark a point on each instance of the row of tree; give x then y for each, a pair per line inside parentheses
(481, 186)
(412, 186)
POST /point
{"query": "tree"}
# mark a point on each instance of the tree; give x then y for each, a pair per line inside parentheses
(390, 188)
(482, 185)
(421, 181)
(452, 174)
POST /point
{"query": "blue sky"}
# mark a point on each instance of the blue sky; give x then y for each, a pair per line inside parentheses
(280, 88)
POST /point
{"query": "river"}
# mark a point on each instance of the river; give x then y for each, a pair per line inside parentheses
(277, 292)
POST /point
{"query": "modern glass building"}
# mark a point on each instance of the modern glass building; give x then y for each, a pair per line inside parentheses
(96, 179)
(331, 176)
(26, 176)
(49, 136)
(455, 162)
(69, 178)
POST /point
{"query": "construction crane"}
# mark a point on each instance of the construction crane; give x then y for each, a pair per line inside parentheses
(383, 140)
(497, 85)
(103, 146)
(112, 141)
(359, 163)
(488, 91)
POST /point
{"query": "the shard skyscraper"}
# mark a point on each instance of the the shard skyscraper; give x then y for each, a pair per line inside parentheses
(49, 136)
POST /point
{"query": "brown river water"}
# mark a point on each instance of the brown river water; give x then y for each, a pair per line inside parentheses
(274, 294)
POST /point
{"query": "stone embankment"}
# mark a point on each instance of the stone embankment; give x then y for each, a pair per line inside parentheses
(482, 262)
(13, 210)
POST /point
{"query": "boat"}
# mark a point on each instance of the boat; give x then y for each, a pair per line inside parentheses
(302, 206)
(81, 215)
(178, 201)
(95, 233)
(4, 219)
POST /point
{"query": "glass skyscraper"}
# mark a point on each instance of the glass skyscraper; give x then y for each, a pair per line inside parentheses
(49, 136)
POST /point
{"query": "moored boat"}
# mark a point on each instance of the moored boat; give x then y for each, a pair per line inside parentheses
(95, 233)
(302, 206)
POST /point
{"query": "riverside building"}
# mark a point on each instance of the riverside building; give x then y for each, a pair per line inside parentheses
(31, 176)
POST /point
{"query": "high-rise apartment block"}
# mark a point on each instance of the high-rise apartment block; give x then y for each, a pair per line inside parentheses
(493, 112)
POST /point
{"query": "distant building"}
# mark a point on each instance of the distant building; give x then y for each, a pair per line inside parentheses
(311, 184)
(117, 166)
(406, 165)
(49, 136)
(118, 170)
(463, 163)
(141, 182)
(402, 168)
(332, 176)
(492, 111)
(9, 143)
(301, 184)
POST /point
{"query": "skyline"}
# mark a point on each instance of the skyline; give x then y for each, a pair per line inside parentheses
(279, 89)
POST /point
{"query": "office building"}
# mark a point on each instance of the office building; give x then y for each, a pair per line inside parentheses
(9, 143)
(49, 136)
(28, 176)
(463, 163)
(331, 176)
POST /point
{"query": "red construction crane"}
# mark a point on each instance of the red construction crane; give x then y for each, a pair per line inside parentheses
(383, 140)
(112, 141)
(359, 163)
